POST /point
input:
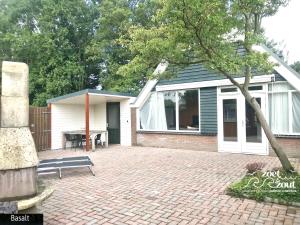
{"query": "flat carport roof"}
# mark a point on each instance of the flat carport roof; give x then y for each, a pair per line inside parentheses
(95, 97)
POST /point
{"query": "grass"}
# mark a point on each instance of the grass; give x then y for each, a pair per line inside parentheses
(278, 185)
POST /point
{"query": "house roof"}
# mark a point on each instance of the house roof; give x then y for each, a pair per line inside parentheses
(90, 91)
(191, 73)
(197, 73)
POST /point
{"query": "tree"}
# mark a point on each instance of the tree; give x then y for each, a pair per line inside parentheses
(72, 45)
(296, 66)
(116, 17)
(209, 32)
(52, 37)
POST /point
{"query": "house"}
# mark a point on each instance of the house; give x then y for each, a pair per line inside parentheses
(197, 109)
(201, 110)
(89, 110)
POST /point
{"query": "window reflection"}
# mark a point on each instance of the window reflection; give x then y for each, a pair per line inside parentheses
(230, 119)
(188, 110)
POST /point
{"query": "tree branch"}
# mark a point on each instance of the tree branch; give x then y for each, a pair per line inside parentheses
(247, 47)
(233, 81)
(247, 77)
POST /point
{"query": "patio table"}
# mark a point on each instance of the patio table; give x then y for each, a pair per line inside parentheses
(93, 135)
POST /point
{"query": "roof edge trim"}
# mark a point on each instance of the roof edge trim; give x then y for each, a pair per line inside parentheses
(283, 69)
(90, 91)
(145, 92)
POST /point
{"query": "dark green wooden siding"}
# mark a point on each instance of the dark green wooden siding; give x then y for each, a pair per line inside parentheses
(192, 73)
(196, 73)
(199, 73)
(208, 110)
(278, 77)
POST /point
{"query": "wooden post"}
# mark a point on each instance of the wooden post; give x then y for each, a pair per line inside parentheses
(87, 122)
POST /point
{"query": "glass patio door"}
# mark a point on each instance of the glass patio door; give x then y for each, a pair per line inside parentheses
(229, 125)
(238, 128)
(255, 141)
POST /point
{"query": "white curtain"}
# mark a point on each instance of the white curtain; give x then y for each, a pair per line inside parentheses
(152, 114)
(279, 108)
(280, 87)
(296, 112)
(144, 113)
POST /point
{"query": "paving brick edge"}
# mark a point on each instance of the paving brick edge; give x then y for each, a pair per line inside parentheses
(273, 200)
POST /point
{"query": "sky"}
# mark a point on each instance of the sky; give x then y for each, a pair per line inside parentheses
(283, 28)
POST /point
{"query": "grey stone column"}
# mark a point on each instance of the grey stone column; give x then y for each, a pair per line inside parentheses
(18, 156)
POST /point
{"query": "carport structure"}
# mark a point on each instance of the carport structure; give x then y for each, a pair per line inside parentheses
(91, 110)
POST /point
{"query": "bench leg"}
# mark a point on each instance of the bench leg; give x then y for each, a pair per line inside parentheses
(91, 170)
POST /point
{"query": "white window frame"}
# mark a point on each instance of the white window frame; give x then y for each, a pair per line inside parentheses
(241, 145)
(176, 113)
(290, 104)
(199, 111)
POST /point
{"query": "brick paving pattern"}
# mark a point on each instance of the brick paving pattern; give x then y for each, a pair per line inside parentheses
(138, 185)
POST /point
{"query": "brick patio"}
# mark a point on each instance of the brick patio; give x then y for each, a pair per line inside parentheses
(138, 185)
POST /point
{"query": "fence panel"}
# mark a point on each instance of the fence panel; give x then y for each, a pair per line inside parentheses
(40, 127)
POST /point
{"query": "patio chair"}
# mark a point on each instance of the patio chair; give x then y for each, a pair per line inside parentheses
(83, 141)
(72, 139)
(98, 140)
(79, 141)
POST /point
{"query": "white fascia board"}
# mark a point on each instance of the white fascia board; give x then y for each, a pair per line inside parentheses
(284, 70)
(144, 94)
(132, 100)
(213, 83)
(108, 95)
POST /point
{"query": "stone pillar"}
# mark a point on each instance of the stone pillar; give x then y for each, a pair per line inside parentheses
(133, 126)
(18, 156)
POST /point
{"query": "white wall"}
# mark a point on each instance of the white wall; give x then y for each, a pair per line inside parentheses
(65, 117)
(125, 123)
(100, 116)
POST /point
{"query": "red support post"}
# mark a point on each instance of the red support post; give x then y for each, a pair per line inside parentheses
(87, 121)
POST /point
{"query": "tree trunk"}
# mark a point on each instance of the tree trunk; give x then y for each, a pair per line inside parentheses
(275, 145)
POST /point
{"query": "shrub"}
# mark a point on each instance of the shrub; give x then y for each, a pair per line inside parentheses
(284, 188)
(254, 167)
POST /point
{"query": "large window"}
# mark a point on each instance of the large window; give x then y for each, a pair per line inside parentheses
(188, 110)
(284, 109)
(171, 110)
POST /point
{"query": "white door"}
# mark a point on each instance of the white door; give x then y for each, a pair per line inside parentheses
(238, 128)
(255, 141)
